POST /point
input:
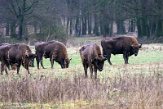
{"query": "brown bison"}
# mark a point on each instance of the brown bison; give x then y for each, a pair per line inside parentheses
(92, 57)
(54, 50)
(17, 54)
(120, 45)
(3, 54)
(57, 51)
(39, 47)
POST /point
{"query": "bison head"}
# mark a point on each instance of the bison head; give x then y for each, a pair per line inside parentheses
(135, 49)
(99, 62)
(30, 58)
(65, 63)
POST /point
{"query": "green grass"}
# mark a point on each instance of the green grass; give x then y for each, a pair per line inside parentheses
(144, 57)
(139, 63)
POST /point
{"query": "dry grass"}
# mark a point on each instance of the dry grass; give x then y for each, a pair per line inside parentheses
(124, 89)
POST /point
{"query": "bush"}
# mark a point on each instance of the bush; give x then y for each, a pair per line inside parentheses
(49, 33)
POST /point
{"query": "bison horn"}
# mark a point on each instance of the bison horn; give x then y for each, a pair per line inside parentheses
(104, 58)
(140, 45)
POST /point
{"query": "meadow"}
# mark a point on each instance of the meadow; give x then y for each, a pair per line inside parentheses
(138, 85)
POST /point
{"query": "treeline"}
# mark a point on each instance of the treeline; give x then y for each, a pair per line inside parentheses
(61, 18)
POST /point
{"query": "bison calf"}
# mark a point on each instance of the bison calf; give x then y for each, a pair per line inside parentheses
(92, 57)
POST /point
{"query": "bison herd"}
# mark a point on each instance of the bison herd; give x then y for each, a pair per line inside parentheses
(12, 56)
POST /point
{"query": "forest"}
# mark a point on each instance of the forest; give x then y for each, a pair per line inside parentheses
(58, 19)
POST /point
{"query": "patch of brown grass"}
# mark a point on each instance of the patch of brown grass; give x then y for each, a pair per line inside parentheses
(124, 90)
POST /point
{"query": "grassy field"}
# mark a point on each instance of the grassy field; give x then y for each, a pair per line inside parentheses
(138, 85)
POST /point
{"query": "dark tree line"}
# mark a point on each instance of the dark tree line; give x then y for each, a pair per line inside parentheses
(81, 17)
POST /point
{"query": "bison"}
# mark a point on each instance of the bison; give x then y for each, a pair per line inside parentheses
(3, 55)
(17, 54)
(39, 47)
(57, 51)
(126, 45)
(92, 57)
(54, 50)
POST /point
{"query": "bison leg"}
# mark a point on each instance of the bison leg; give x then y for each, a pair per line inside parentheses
(42, 64)
(125, 56)
(3, 67)
(18, 67)
(95, 70)
(28, 70)
(91, 70)
(108, 57)
(27, 67)
(85, 69)
(52, 62)
(37, 60)
(8, 66)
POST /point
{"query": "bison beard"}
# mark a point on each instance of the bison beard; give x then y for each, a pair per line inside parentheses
(91, 57)
(120, 45)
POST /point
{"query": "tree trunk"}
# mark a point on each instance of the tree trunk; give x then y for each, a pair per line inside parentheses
(89, 24)
(21, 28)
(35, 28)
(96, 30)
(131, 26)
(159, 29)
(7, 29)
(71, 27)
(84, 26)
(13, 29)
(145, 30)
(77, 27)
(138, 23)
(143, 27)
(67, 26)
(106, 27)
(120, 27)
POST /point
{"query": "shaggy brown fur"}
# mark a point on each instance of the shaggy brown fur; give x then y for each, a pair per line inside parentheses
(92, 57)
(57, 52)
(18, 54)
(3, 55)
(39, 47)
(120, 45)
